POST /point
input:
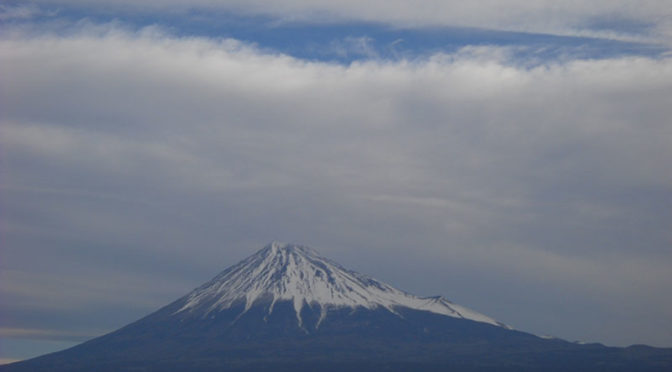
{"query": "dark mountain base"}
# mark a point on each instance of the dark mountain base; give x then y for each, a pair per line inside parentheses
(361, 340)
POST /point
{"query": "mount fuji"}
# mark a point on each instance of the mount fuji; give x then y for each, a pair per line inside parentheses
(286, 308)
(298, 274)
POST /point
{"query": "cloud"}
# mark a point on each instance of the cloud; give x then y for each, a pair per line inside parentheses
(620, 19)
(7, 360)
(22, 12)
(44, 334)
(358, 46)
(164, 157)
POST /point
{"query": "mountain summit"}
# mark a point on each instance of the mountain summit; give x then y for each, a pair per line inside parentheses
(295, 273)
(286, 308)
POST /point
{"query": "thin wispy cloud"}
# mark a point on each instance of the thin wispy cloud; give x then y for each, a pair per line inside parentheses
(621, 19)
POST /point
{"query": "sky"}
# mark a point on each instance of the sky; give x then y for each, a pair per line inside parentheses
(512, 156)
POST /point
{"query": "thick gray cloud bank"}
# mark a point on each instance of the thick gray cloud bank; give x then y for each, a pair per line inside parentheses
(137, 165)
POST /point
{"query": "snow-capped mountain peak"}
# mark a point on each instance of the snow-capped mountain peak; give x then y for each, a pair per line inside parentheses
(288, 272)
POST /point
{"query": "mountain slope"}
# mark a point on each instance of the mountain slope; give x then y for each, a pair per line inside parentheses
(285, 308)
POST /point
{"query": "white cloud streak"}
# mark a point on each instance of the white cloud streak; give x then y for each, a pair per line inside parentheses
(44, 334)
(644, 20)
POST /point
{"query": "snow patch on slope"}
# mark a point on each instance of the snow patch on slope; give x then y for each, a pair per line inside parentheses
(284, 272)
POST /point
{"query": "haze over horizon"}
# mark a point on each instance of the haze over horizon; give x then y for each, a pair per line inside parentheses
(510, 156)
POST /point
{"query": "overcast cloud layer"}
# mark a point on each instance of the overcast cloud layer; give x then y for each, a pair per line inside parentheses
(136, 165)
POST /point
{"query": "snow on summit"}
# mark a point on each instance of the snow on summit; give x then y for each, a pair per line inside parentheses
(287, 272)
